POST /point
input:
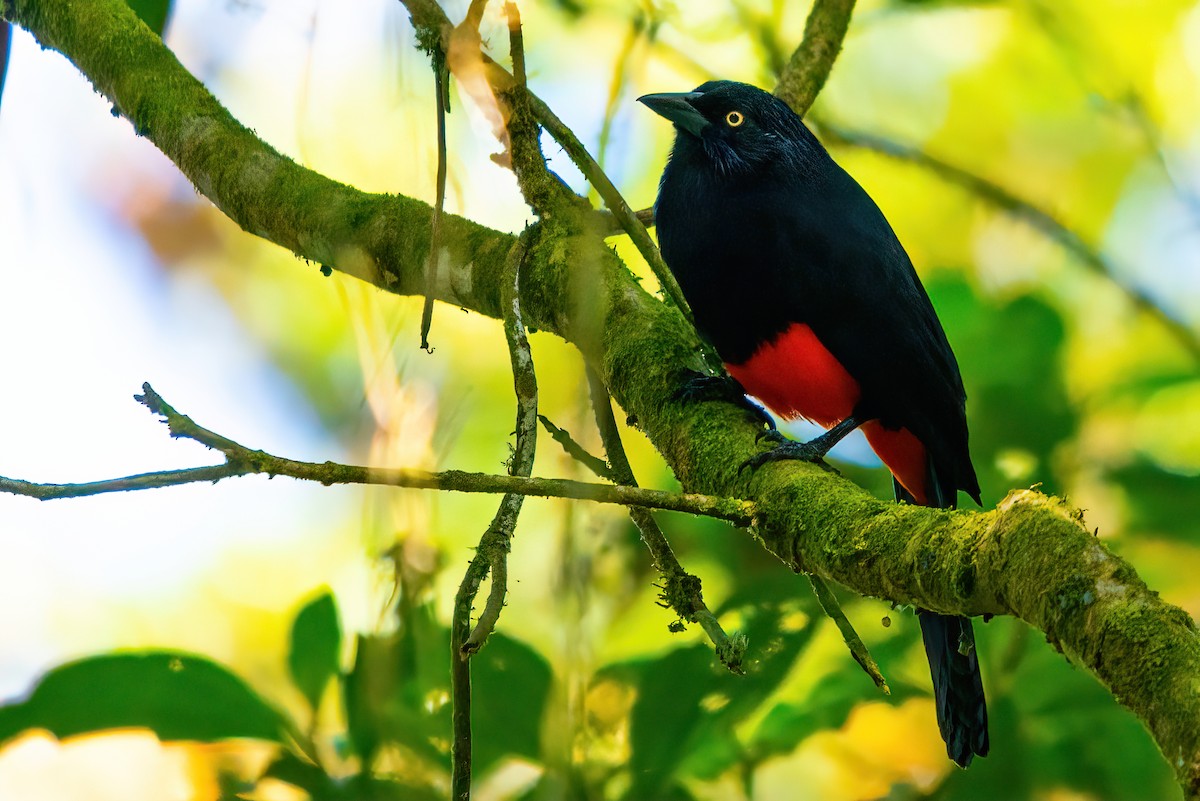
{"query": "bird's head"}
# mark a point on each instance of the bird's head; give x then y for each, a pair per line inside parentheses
(735, 127)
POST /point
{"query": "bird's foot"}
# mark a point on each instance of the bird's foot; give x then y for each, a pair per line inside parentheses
(786, 450)
(698, 387)
(771, 435)
(812, 451)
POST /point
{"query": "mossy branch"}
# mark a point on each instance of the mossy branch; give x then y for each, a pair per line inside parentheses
(1031, 557)
(807, 70)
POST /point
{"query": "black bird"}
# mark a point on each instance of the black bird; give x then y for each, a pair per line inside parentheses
(796, 278)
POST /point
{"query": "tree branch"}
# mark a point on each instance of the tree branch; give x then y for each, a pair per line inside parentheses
(495, 544)
(243, 461)
(429, 16)
(577, 451)
(858, 649)
(809, 67)
(683, 591)
(441, 83)
(1032, 557)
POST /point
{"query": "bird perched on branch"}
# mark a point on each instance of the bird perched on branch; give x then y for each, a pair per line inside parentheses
(799, 283)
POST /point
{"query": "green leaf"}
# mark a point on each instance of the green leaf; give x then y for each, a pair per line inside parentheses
(360, 787)
(177, 696)
(363, 692)
(152, 12)
(667, 713)
(316, 645)
(301, 773)
(1011, 357)
(828, 705)
(1053, 725)
(398, 689)
(510, 683)
(1160, 502)
(684, 721)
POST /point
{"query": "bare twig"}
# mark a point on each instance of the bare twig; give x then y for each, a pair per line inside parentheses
(1027, 211)
(628, 220)
(858, 649)
(577, 451)
(1135, 107)
(609, 225)
(809, 67)
(682, 591)
(442, 86)
(242, 461)
(542, 189)
(460, 681)
(495, 544)
(516, 42)
(428, 15)
(620, 77)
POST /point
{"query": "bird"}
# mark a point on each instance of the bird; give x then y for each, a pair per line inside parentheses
(800, 285)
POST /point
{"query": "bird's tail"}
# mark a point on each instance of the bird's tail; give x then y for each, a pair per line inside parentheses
(954, 667)
(957, 685)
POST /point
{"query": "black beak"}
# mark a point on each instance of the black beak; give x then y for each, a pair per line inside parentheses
(677, 107)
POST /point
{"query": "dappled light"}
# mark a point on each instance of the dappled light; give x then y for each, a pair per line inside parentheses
(272, 618)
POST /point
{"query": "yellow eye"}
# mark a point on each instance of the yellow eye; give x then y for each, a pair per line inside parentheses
(735, 118)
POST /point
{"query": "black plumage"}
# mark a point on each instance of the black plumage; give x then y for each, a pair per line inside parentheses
(765, 232)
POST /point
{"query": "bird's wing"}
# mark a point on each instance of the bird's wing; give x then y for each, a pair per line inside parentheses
(854, 285)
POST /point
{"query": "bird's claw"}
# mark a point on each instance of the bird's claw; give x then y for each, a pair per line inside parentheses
(787, 450)
(698, 387)
(771, 434)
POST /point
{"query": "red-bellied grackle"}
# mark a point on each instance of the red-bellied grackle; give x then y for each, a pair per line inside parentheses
(796, 278)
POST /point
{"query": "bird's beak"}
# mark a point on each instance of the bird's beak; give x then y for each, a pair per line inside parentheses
(677, 107)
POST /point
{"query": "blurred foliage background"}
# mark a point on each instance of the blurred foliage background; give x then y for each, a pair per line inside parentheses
(117, 272)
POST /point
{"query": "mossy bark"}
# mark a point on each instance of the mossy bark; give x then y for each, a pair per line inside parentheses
(1031, 557)
(807, 70)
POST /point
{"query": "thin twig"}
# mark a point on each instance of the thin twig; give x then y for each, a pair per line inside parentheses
(460, 679)
(858, 649)
(442, 86)
(1027, 211)
(577, 451)
(811, 63)
(609, 225)
(616, 87)
(612, 198)
(682, 591)
(427, 14)
(516, 42)
(495, 543)
(243, 461)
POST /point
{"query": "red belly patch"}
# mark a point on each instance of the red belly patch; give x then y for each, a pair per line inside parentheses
(797, 376)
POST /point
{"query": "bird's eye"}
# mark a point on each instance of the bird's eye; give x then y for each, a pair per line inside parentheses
(735, 118)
